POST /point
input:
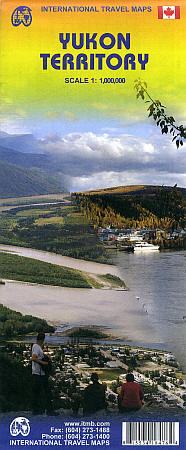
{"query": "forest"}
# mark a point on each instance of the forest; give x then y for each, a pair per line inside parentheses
(164, 209)
(13, 323)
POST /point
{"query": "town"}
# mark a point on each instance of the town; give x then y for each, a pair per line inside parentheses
(157, 372)
(128, 238)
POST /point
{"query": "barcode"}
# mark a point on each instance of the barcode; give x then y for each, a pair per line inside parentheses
(150, 433)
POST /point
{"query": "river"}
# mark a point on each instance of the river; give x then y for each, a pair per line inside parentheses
(150, 314)
(158, 279)
(49, 257)
(118, 311)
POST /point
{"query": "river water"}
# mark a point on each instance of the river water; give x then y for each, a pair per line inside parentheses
(116, 310)
(158, 279)
(150, 314)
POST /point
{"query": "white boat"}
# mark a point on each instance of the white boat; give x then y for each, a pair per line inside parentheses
(145, 246)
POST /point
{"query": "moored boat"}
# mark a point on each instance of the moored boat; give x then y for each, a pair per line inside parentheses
(145, 246)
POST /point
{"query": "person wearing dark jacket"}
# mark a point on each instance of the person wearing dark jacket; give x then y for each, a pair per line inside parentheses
(131, 395)
(94, 396)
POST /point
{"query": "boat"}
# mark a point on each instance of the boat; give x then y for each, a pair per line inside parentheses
(144, 246)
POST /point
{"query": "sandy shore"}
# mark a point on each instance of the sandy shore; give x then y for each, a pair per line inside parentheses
(117, 310)
(53, 258)
(92, 271)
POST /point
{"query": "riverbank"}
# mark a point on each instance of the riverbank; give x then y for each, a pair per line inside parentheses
(31, 270)
(116, 312)
(53, 258)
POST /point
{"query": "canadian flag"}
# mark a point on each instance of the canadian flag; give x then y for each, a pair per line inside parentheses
(169, 12)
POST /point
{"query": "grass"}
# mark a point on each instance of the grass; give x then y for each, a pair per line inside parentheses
(27, 200)
(7, 223)
(33, 212)
(113, 279)
(61, 229)
(75, 219)
(87, 333)
(50, 220)
(94, 281)
(19, 268)
(116, 189)
(108, 374)
(180, 375)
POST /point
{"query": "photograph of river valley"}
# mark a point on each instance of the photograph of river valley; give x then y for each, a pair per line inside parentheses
(102, 274)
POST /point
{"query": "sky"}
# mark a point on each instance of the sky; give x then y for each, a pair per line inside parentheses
(88, 160)
(100, 134)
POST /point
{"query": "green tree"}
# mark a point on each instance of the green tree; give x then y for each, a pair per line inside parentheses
(157, 112)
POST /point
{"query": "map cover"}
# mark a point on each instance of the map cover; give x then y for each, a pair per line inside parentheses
(92, 233)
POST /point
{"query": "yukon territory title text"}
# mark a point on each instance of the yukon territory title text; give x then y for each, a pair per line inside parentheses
(94, 61)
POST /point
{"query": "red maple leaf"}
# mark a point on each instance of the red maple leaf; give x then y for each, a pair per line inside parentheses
(169, 12)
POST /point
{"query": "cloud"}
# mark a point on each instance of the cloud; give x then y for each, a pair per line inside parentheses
(89, 160)
(110, 179)
(88, 152)
(13, 125)
(123, 113)
(100, 106)
(70, 116)
(52, 115)
(12, 118)
(21, 112)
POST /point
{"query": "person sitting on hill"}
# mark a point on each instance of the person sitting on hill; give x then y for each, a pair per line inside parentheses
(131, 395)
(94, 396)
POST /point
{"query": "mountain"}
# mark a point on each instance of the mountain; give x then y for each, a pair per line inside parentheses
(21, 181)
(24, 159)
(51, 163)
(24, 143)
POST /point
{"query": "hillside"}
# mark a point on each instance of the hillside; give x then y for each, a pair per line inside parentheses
(130, 191)
(18, 181)
(138, 206)
(24, 159)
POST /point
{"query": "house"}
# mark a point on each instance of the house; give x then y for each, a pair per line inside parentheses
(112, 364)
(169, 357)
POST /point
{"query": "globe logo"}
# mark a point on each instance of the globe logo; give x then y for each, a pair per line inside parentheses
(23, 15)
(20, 425)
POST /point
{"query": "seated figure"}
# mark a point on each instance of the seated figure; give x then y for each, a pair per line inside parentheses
(94, 396)
(131, 395)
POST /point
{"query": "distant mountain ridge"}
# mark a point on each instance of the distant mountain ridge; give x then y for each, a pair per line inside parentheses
(20, 181)
(25, 174)
(24, 159)
(23, 143)
(50, 162)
